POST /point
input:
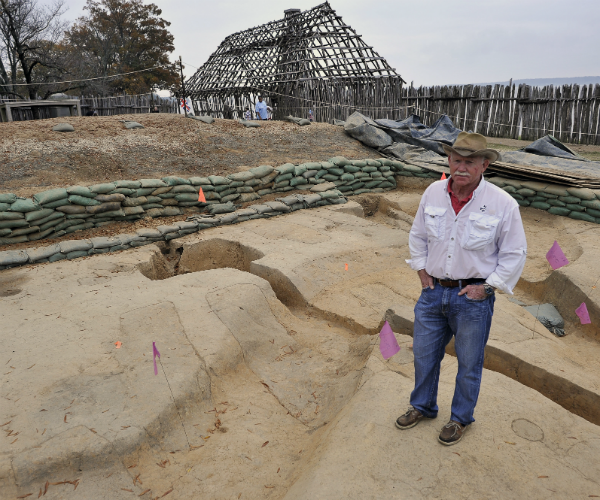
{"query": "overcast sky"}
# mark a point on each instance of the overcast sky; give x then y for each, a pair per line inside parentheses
(432, 42)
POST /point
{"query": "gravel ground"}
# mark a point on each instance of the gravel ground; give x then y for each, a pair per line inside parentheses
(33, 158)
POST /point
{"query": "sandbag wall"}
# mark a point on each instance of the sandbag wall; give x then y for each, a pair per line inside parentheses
(54, 213)
(576, 203)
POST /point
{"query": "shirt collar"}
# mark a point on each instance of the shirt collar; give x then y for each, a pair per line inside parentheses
(474, 194)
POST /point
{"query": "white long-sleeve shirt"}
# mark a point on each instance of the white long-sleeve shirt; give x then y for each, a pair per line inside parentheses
(485, 240)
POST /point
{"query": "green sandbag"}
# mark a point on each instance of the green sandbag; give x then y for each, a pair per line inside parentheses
(320, 173)
(13, 223)
(509, 189)
(340, 161)
(217, 180)
(592, 212)
(128, 184)
(376, 175)
(575, 208)
(261, 171)
(221, 208)
(335, 171)
(541, 205)
(187, 197)
(330, 177)
(298, 181)
(351, 169)
(557, 203)
(24, 205)
(199, 181)
(570, 199)
(373, 163)
(211, 195)
(11, 216)
(8, 198)
(299, 169)
(175, 181)
(152, 183)
(526, 192)
(361, 191)
(283, 177)
(57, 203)
(4, 207)
(385, 185)
(185, 189)
(50, 196)
(81, 191)
(559, 211)
(583, 193)
(245, 189)
(359, 163)
(103, 188)
(38, 214)
(83, 201)
(241, 176)
(373, 184)
(524, 203)
(595, 204)
(287, 168)
(582, 216)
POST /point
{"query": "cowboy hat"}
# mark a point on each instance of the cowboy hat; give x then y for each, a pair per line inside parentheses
(468, 144)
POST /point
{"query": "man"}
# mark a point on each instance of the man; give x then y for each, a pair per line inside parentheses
(467, 239)
(261, 109)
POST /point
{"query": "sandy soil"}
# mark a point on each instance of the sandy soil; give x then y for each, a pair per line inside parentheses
(34, 158)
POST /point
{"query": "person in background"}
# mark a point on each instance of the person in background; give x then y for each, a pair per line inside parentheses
(91, 112)
(261, 109)
(310, 115)
(155, 110)
(247, 114)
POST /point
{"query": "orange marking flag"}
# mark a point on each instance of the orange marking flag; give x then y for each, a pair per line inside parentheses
(443, 176)
(346, 266)
(118, 344)
(201, 196)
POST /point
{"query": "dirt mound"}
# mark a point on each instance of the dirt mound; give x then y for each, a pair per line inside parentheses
(32, 156)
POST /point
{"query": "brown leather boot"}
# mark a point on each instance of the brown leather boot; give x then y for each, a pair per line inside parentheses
(452, 433)
(409, 419)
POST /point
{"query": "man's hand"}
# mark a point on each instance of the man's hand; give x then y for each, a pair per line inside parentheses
(426, 280)
(475, 292)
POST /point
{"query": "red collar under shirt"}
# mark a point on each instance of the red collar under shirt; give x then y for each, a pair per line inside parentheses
(457, 204)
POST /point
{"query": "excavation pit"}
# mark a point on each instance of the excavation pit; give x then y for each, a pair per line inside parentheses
(270, 383)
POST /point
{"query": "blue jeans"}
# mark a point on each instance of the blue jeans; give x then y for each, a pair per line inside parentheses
(441, 314)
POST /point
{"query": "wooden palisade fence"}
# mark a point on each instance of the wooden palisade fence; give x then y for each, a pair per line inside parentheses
(116, 105)
(569, 112)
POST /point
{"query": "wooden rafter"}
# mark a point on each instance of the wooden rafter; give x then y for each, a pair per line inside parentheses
(292, 57)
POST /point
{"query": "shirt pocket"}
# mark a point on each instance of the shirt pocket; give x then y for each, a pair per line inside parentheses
(435, 222)
(481, 230)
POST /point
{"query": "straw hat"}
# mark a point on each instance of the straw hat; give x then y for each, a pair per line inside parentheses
(467, 144)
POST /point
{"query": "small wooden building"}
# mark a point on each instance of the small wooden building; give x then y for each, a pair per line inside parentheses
(308, 60)
(14, 111)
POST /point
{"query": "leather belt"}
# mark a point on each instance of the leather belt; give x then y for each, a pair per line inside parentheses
(459, 283)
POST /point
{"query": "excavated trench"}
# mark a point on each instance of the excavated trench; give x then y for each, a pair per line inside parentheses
(176, 259)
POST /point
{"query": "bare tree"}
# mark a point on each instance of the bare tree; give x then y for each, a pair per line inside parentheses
(29, 45)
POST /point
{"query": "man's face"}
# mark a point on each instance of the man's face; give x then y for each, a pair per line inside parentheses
(260, 99)
(466, 170)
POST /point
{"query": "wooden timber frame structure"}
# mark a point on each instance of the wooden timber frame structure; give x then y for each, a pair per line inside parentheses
(308, 60)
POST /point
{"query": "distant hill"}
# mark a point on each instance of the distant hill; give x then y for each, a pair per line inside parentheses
(542, 82)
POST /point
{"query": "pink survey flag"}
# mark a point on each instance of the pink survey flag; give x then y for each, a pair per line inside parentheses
(556, 257)
(388, 345)
(154, 354)
(584, 315)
